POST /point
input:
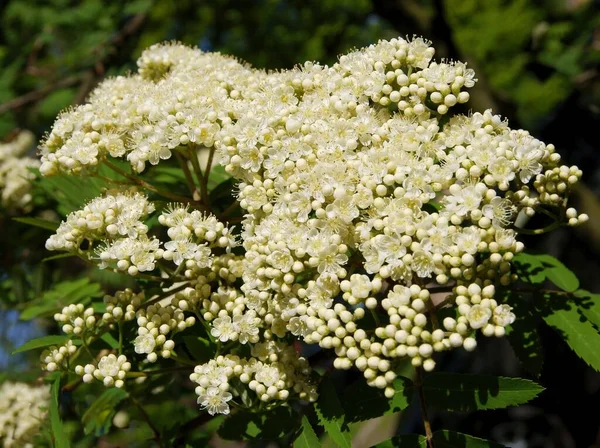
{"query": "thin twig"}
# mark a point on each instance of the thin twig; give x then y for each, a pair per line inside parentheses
(423, 406)
(199, 175)
(146, 417)
(36, 95)
(188, 174)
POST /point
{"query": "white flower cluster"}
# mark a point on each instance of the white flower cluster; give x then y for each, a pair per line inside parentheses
(365, 189)
(115, 217)
(22, 412)
(275, 372)
(57, 358)
(155, 322)
(111, 370)
(122, 306)
(76, 319)
(15, 177)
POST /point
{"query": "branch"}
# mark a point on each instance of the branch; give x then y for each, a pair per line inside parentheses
(36, 95)
(423, 406)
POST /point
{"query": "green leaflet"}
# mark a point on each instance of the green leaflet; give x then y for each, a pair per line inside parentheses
(307, 438)
(363, 402)
(98, 418)
(37, 222)
(58, 430)
(580, 334)
(458, 392)
(44, 341)
(452, 439)
(590, 306)
(331, 414)
(272, 425)
(63, 293)
(537, 268)
(523, 333)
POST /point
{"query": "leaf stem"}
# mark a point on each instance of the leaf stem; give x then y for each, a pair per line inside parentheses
(423, 406)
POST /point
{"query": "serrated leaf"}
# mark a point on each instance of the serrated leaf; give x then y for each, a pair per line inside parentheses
(307, 438)
(589, 306)
(404, 441)
(558, 273)
(465, 393)
(62, 294)
(98, 418)
(579, 333)
(270, 425)
(44, 341)
(37, 222)
(363, 402)
(529, 267)
(58, 431)
(452, 439)
(523, 334)
(331, 414)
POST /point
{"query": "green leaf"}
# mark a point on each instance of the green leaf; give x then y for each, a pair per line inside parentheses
(307, 438)
(452, 439)
(529, 267)
(110, 340)
(590, 306)
(404, 441)
(98, 418)
(199, 347)
(458, 392)
(579, 333)
(331, 414)
(558, 273)
(63, 293)
(37, 222)
(537, 268)
(58, 430)
(523, 334)
(270, 425)
(44, 341)
(363, 402)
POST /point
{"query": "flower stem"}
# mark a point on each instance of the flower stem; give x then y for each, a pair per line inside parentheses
(201, 180)
(423, 406)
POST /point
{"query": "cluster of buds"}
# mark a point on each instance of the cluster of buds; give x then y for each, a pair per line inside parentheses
(274, 373)
(111, 370)
(57, 358)
(76, 319)
(122, 306)
(155, 322)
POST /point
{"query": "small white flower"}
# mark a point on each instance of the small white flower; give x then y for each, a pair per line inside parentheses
(215, 401)
(478, 316)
